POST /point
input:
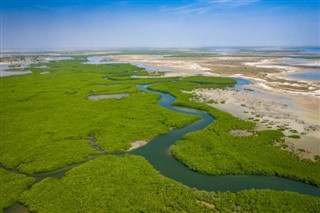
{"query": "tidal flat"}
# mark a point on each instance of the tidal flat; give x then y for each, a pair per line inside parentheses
(284, 91)
(48, 119)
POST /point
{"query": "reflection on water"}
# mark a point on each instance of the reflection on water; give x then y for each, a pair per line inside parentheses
(242, 82)
(313, 75)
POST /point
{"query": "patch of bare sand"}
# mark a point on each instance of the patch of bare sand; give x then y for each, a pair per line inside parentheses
(282, 80)
(12, 73)
(44, 72)
(137, 144)
(182, 65)
(271, 110)
(294, 115)
(116, 96)
(266, 73)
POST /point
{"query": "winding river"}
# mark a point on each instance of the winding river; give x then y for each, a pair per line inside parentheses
(157, 152)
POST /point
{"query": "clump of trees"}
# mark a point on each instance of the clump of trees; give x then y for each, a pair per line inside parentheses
(11, 186)
(129, 184)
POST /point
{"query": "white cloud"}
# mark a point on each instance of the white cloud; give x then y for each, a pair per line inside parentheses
(204, 6)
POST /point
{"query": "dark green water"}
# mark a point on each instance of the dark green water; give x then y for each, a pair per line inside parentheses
(157, 152)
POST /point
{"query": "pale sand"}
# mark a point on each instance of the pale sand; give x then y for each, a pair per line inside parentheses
(282, 64)
(297, 87)
(278, 78)
(272, 111)
(42, 67)
(11, 73)
(99, 97)
(300, 96)
(282, 81)
(44, 72)
(184, 66)
(137, 144)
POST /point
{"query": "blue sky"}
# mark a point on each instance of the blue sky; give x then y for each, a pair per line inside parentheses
(158, 23)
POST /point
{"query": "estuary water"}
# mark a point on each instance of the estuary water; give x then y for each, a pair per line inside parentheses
(312, 75)
(146, 66)
(157, 152)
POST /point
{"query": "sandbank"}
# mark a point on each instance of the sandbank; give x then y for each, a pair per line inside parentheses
(137, 144)
(11, 73)
(116, 96)
(295, 116)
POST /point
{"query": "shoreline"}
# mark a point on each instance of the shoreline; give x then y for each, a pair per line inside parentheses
(270, 111)
(136, 145)
(305, 104)
(277, 86)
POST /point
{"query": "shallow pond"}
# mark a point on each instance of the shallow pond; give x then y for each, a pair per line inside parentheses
(313, 75)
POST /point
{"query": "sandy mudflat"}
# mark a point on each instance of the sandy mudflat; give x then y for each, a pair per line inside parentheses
(44, 72)
(278, 100)
(137, 144)
(11, 73)
(282, 81)
(182, 66)
(275, 75)
(99, 97)
(42, 67)
(298, 115)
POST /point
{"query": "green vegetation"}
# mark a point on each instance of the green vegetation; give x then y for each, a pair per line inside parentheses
(130, 184)
(261, 201)
(47, 119)
(294, 136)
(110, 184)
(215, 151)
(11, 186)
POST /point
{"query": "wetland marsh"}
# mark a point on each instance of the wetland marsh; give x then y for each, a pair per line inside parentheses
(54, 136)
(161, 106)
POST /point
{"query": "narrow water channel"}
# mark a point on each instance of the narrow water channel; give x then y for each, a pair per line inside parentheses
(157, 152)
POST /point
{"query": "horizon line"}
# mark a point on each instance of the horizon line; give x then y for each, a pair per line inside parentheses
(160, 48)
